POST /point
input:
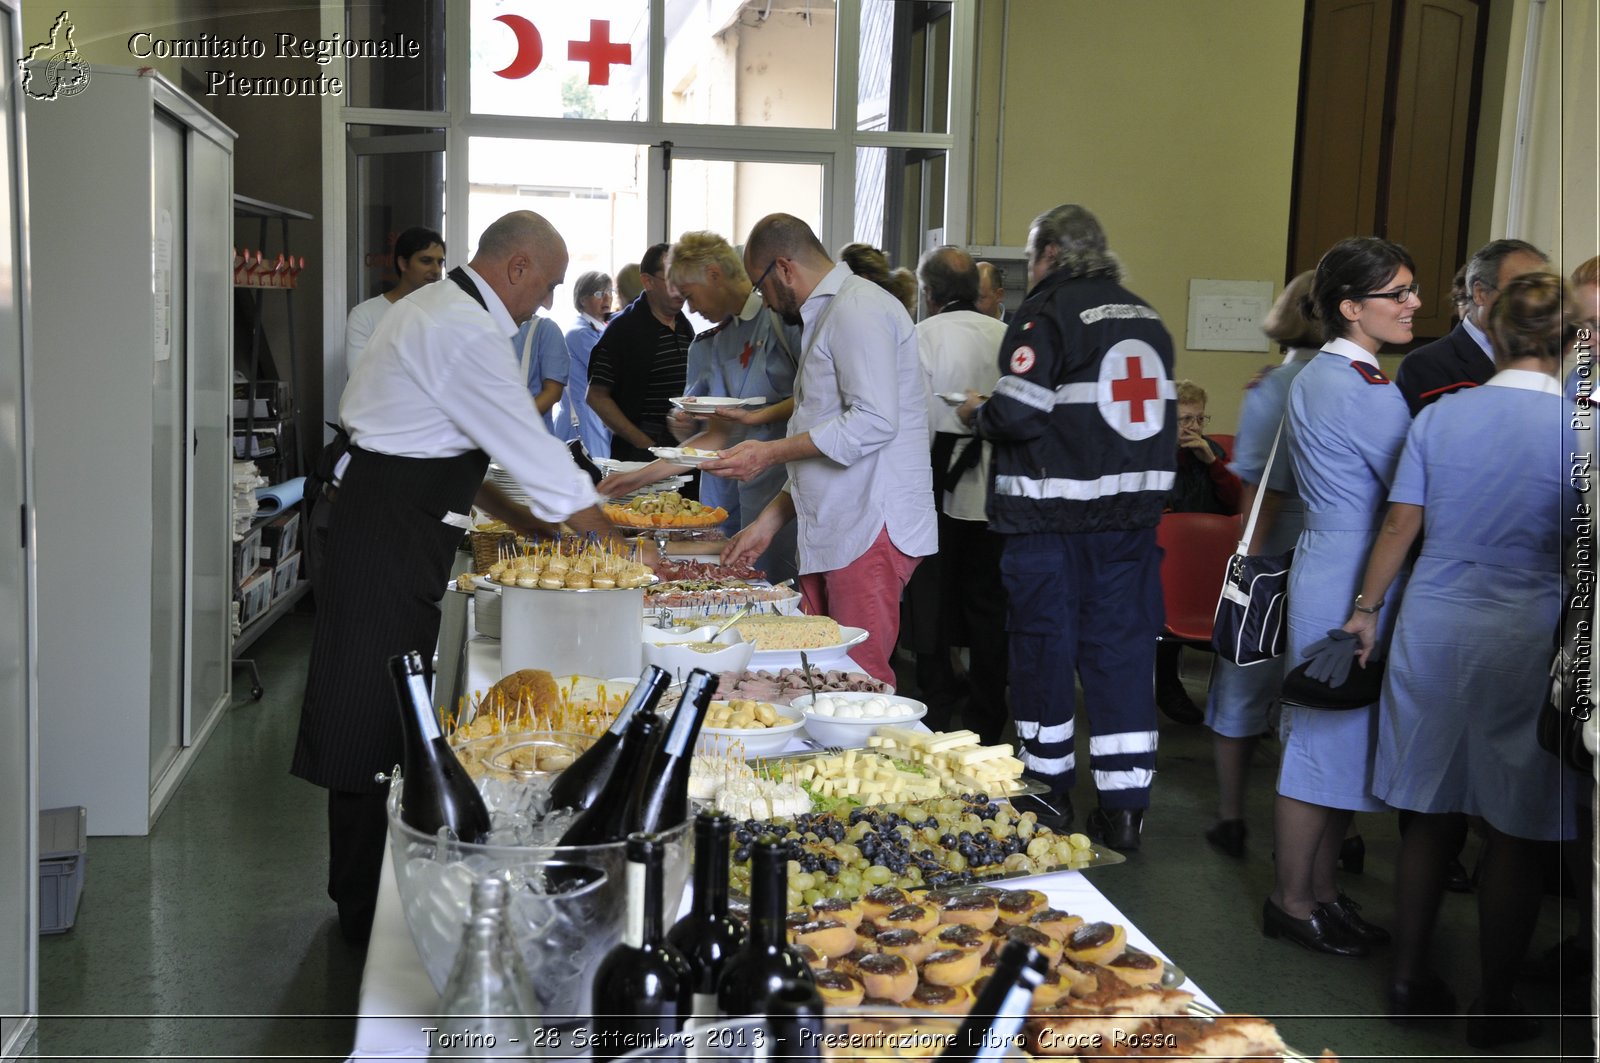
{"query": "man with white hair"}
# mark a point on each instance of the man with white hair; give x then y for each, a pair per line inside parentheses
(437, 392)
(1085, 443)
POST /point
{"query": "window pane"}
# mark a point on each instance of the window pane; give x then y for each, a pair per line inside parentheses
(900, 206)
(905, 66)
(750, 62)
(559, 59)
(730, 197)
(399, 183)
(594, 194)
(398, 84)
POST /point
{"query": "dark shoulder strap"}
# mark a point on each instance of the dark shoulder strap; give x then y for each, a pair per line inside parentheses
(464, 282)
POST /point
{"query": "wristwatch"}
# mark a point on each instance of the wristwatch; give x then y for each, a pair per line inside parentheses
(1369, 610)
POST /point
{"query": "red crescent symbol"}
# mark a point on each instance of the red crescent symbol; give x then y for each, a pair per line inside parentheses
(530, 47)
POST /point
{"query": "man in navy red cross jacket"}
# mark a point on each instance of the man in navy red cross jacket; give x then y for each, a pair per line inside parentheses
(1085, 436)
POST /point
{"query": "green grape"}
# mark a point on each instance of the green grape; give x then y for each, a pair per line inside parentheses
(803, 881)
(955, 862)
(795, 899)
(850, 879)
(877, 874)
(833, 889)
(812, 896)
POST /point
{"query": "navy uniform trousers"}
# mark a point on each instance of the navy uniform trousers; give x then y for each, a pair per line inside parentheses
(1086, 605)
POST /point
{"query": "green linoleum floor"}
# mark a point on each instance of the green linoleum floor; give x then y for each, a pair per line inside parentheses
(217, 924)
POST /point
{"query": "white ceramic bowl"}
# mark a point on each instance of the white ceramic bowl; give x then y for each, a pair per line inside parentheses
(671, 650)
(757, 741)
(853, 731)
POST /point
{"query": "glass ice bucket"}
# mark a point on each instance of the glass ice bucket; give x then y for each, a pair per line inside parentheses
(567, 903)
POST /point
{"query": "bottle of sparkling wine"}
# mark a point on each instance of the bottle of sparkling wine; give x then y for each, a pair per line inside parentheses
(437, 792)
(491, 896)
(579, 786)
(994, 1025)
(765, 962)
(664, 799)
(643, 989)
(708, 936)
(612, 816)
(480, 1007)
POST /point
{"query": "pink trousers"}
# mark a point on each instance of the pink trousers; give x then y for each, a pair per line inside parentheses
(865, 593)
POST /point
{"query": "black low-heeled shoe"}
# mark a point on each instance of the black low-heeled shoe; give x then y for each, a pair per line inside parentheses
(1353, 855)
(1319, 933)
(1346, 913)
(1228, 835)
(1424, 997)
(1500, 1028)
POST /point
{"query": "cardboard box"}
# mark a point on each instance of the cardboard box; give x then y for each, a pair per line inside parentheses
(246, 556)
(255, 595)
(285, 575)
(280, 538)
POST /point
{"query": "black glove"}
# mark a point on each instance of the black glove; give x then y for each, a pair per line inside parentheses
(1328, 660)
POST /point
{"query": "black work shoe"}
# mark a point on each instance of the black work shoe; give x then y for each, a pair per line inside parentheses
(1049, 810)
(1426, 997)
(1116, 828)
(1228, 837)
(1318, 932)
(1174, 701)
(1346, 913)
(1456, 879)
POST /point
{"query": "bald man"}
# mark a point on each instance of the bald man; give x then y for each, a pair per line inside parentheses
(860, 483)
(437, 392)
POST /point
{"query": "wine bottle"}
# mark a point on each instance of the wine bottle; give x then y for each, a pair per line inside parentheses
(708, 936)
(766, 961)
(579, 786)
(994, 1025)
(491, 896)
(643, 988)
(664, 800)
(614, 812)
(437, 792)
(480, 1007)
(795, 1023)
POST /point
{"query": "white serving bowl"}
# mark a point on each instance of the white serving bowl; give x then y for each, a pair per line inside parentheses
(852, 731)
(757, 741)
(670, 650)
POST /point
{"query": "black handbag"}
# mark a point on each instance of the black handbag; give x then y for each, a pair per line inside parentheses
(1360, 689)
(1251, 624)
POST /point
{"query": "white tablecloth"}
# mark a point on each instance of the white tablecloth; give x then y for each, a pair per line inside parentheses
(398, 1000)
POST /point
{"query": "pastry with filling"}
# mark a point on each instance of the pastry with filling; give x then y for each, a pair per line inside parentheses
(839, 989)
(1017, 906)
(1047, 946)
(974, 910)
(951, 966)
(1136, 968)
(1054, 922)
(944, 999)
(839, 909)
(918, 917)
(832, 939)
(961, 936)
(883, 900)
(814, 959)
(913, 946)
(1095, 942)
(886, 977)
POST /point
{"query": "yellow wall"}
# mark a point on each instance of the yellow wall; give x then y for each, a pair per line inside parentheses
(1173, 121)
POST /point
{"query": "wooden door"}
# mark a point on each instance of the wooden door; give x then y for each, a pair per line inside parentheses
(1388, 116)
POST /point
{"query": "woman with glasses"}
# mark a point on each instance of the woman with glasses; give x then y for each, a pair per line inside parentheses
(1469, 663)
(1345, 426)
(591, 297)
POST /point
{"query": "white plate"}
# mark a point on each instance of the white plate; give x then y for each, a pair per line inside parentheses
(616, 465)
(953, 398)
(853, 636)
(712, 403)
(678, 457)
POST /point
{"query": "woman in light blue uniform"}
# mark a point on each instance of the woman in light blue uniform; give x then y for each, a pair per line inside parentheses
(1239, 706)
(1345, 427)
(1483, 480)
(542, 354)
(591, 296)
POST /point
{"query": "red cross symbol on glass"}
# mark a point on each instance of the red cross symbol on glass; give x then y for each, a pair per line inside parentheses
(1135, 389)
(599, 52)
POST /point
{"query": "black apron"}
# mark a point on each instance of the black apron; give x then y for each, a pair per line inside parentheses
(388, 563)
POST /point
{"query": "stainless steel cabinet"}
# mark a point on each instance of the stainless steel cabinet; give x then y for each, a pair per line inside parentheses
(132, 310)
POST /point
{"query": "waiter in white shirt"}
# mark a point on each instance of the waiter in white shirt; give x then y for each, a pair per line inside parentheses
(437, 392)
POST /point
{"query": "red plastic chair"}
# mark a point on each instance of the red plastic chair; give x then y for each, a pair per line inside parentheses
(1196, 550)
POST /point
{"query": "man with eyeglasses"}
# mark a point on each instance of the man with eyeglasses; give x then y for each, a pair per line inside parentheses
(1464, 357)
(641, 363)
(860, 482)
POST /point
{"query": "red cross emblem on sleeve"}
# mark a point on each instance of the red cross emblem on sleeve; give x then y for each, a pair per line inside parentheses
(1134, 389)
